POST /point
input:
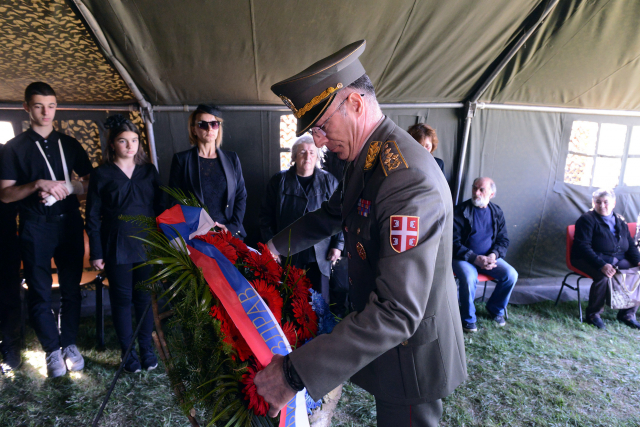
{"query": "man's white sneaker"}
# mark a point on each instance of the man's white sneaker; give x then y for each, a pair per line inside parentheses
(73, 358)
(55, 364)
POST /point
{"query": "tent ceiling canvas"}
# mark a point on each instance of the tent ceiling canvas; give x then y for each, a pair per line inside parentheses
(45, 41)
(586, 54)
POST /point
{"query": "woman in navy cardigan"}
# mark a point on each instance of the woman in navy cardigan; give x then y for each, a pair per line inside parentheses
(213, 175)
(125, 184)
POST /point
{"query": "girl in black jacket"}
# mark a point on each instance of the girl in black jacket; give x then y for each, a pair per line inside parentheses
(125, 184)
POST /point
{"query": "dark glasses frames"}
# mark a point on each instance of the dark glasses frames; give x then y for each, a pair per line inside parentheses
(205, 125)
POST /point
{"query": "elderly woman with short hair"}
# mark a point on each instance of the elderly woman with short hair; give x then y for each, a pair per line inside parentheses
(291, 194)
(602, 242)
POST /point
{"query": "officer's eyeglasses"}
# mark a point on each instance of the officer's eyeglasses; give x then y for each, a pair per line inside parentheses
(319, 132)
(215, 124)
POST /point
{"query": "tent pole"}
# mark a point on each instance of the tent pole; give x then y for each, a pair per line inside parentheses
(75, 107)
(281, 107)
(472, 104)
(147, 108)
(471, 111)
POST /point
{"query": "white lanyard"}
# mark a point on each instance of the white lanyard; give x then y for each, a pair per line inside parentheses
(64, 162)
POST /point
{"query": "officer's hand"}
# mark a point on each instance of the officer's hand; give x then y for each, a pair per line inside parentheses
(98, 264)
(333, 254)
(273, 387)
(608, 270)
(57, 189)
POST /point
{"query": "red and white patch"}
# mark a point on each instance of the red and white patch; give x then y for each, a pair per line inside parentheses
(404, 232)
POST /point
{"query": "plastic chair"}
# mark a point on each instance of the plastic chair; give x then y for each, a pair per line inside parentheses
(571, 232)
(483, 278)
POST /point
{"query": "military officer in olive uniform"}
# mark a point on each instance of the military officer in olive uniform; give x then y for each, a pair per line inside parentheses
(402, 341)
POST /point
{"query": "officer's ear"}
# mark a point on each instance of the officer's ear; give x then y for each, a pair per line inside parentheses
(357, 102)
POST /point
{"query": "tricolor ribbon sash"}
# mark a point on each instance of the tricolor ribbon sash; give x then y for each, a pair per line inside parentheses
(246, 308)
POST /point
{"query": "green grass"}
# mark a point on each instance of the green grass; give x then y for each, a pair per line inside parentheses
(544, 368)
(28, 398)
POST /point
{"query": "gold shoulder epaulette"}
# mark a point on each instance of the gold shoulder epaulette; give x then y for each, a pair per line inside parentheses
(391, 158)
(372, 155)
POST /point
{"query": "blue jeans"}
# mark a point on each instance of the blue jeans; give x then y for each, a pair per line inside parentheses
(467, 274)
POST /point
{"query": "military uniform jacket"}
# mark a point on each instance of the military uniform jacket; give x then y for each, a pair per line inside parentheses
(403, 340)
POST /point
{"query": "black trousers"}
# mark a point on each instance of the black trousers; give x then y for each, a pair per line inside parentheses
(600, 289)
(60, 238)
(426, 414)
(122, 293)
(10, 308)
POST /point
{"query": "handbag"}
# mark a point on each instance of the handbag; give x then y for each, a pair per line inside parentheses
(624, 289)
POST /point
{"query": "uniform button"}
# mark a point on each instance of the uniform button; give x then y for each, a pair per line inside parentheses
(349, 255)
(350, 281)
(358, 230)
(346, 229)
(405, 343)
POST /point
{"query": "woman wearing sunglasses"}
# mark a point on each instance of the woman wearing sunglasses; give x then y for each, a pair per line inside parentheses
(213, 175)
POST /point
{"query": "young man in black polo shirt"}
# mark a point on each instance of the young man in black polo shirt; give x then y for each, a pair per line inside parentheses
(34, 173)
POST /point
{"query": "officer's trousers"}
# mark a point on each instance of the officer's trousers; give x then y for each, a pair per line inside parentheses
(426, 414)
(61, 238)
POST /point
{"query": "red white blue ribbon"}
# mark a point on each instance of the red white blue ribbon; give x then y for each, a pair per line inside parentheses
(246, 308)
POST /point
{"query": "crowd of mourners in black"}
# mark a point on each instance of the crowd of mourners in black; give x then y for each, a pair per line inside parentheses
(35, 181)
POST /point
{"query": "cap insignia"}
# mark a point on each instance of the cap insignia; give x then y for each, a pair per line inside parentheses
(372, 154)
(315, 101)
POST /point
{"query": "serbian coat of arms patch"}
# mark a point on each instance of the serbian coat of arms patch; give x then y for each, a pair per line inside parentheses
(404, 232)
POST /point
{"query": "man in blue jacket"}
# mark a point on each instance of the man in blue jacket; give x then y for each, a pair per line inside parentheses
(480, 244)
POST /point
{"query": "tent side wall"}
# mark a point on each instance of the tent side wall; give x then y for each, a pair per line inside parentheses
(525, 153)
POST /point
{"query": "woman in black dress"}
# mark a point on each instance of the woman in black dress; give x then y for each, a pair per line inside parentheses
(125, 184)
(213, 175)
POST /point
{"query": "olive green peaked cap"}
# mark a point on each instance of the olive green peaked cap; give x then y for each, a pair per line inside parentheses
(310, 92)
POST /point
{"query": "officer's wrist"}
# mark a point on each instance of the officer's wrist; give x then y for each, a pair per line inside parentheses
(290, 375)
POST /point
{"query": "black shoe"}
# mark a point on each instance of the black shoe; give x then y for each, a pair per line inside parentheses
(596, 321)
(469, 327)
(499, 320)
(148, 360)
(132, 365)
(11, 359)
(632, 323)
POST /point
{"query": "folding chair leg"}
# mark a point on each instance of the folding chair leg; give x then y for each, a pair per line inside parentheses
(579, 300)
(484, 291)
(99, 314)
(23, 315)
(564, 283)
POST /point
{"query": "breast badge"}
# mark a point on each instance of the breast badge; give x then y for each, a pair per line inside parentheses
(361, 251)
(364, 207)
(403, 232)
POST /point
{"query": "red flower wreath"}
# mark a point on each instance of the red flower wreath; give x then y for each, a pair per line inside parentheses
(270, 296)
(306, 318)
(299, 283)
(263, 264)
(232, 335)
(256, 402)
(291, 333)
(221, 244)
(238, 244)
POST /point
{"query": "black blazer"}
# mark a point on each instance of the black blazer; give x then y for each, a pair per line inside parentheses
(285, 201)
(111, 194)
(185, 175)
(595, 244)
